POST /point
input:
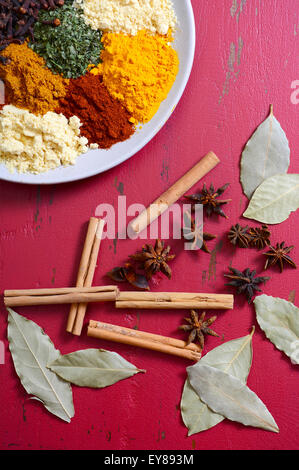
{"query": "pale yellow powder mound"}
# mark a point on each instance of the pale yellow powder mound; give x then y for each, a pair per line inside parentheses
(35, 144)
(129, 16)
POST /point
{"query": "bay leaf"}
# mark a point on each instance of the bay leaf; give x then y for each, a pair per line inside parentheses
(233, 357)
(266, 154)
(230, 397)
(94, 368)
(279, 319)
(274, 199)
(31, 351)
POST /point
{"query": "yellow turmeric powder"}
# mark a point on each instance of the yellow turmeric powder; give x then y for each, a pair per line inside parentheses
(138, 70)
(28, 83)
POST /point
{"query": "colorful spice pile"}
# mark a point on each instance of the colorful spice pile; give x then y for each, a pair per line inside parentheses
(18, 18)
(139, 71)
(129, 16)
(109, 64)
(39, 143)
(70, 47)
(28, 83)
(88, 97)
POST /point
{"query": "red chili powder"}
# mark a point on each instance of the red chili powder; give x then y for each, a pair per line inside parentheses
(105, 121)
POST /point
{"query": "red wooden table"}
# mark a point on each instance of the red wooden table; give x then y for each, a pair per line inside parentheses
(246, 59)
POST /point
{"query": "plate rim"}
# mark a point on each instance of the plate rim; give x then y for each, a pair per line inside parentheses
(148, 138)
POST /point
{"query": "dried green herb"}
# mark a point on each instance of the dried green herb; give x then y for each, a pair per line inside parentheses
(95, 368)
(32, 350)
(266, 154)
(69, 48)
(230, 397)
(274, 199)
(233, 357)
(279, 319)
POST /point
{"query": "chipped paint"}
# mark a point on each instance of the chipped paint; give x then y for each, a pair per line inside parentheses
(24, 412)
(234, 8)
(213, 261)
(237, 8)
(161, 434)
(53, 275)
(38, 201)
(234, 62)
(51, 198)
(37, 219)
(165, 172)
(115, 243)
(136, 327)
(119, 186)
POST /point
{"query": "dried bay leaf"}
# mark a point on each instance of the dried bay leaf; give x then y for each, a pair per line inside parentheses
(31, 351)
(233, 357)
(230, 397)
(94, 368)
(274, 199)
(266, 154)
(279, 319)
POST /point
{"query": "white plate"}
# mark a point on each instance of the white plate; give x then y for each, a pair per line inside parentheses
(97, 161)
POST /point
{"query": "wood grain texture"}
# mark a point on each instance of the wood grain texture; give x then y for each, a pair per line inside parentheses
(246, 59)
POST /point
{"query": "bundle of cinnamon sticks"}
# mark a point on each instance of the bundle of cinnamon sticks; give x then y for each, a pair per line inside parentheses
(86, 273)
(132, 299)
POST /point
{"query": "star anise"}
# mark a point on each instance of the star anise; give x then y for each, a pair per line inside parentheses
(154, 259)
(208, 198)
(239, 236)
(260, 237)
(198, 327)
(194, 233)
(245, 282)
(128, 273)
(279, 255)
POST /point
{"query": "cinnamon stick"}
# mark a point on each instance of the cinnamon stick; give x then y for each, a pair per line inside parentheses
(78, 324)
(60, 296)
(58, 290)
(143, 339)
(177, 190)
(83, 268)
(174, 300)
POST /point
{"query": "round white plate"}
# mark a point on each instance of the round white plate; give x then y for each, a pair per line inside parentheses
(97, 161)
